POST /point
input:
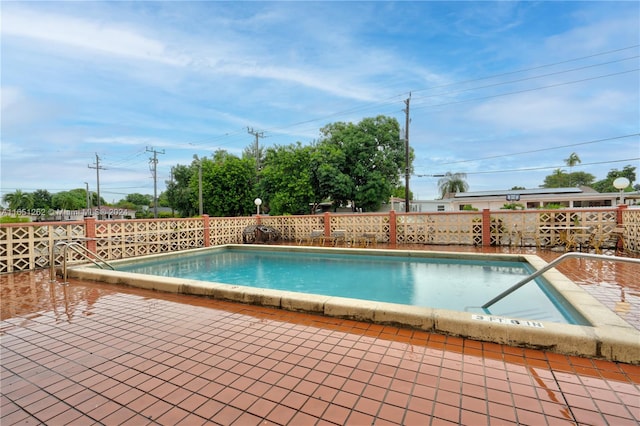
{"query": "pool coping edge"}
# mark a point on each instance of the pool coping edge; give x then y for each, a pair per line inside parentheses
(610, 337)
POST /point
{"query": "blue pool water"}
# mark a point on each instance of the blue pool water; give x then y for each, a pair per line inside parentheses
(456, 284)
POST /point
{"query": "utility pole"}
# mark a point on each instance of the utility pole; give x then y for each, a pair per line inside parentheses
(88, 199)
(172, 212)
(200, 204)
(98, 167)
(153, 166)
(258, 135)
(407, 207)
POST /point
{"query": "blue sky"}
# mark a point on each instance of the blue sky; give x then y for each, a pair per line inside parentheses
(502, 91)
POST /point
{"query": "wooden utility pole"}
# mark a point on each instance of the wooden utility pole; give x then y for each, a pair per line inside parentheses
(407, 207)
(98, 167)
(258, 135)
(153, 166)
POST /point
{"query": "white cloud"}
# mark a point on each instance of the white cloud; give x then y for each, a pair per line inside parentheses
(86, 34)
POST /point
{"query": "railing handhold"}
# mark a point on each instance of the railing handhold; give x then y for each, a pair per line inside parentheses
(552, 265)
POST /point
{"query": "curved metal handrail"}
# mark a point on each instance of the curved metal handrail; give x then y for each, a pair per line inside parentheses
(553, 265)
(84, 252)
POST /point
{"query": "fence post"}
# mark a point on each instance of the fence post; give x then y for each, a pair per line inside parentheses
(486, 228)
(620, 221)
(619, 213)
(392, 227)
(90, 233)
(206, 234)
(327, 224)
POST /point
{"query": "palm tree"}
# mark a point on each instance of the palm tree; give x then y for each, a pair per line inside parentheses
(572, 161)
(19, 200)
(452, 183)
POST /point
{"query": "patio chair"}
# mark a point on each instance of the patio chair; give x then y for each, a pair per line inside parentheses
(317, 235)
(339, 236)
(598, 239)
(520, 236)
(569, 240)
(365, 240)
(618, 235)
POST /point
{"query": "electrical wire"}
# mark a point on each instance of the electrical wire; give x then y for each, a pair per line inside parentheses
(529, 169)
(541, 150)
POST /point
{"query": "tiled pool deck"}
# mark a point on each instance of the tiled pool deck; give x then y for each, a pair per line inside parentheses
(91, 353)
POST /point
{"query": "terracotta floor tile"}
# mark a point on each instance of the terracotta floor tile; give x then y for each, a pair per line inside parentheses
(336, 414)
(304, 419)
(366, 405)
(281, 415)
(621, 421)
(473, 418)
(209, 408)
(314, 407)
(615, 409)
(502, 413)
(287, 366)
(227, 415)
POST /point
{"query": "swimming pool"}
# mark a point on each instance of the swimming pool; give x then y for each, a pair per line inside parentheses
(445, 283)
(605, 335)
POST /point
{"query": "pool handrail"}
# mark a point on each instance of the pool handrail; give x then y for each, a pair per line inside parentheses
(75, 246)
(553, 265)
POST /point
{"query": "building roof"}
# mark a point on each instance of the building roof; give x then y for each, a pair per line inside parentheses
(535, 191)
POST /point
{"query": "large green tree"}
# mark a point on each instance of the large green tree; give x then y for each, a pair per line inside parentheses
(178, 191)
(560, 179)
(75, 199)
(41, 199)
(139, 199)
(285, 180)
(606, 185)
(360, 163)
(227, 185)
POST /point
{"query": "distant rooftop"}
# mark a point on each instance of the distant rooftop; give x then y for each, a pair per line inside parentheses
(535, 191)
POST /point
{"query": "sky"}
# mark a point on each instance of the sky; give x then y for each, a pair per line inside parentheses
(501, 91)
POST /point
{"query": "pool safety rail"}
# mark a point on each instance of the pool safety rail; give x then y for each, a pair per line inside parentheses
(553, 265)
(79, 248)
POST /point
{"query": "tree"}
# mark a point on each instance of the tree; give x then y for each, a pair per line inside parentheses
(227, 185)
(452, 183)
(606, 185)
(19, 200)
(560, 179)
(399, 192)
(139, 200)
(41, 199)
(178, 191)
(75, 199)
(557, 179)
(328, 178)
(572, 161)
(285, 179)
(360, 163)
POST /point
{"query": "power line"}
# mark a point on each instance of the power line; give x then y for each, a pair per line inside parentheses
(529, 78)
(529, 90)
(542, 149)
(533, 68)
(528, 169)
(394, 99)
